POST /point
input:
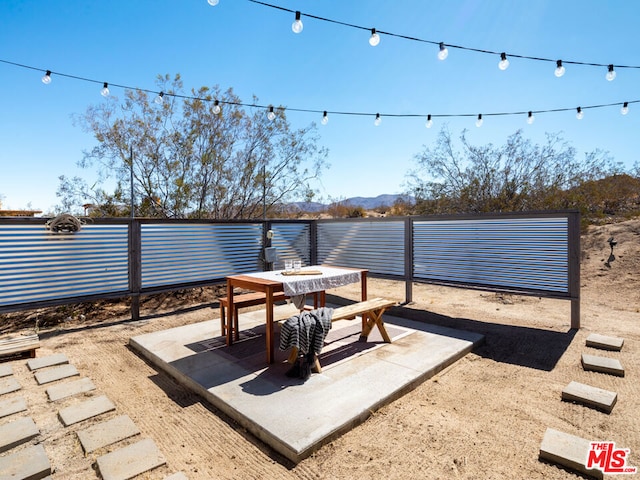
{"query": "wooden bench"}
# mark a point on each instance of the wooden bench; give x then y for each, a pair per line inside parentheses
(243, 300)
(251, 299)
(371, 311)
(21, 344)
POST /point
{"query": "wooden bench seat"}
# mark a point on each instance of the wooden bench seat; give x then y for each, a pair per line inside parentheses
(19, 344)
(243, 300)
(371, 311)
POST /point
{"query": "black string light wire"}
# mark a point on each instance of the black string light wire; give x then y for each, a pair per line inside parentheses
(443, 47)
(160, 97)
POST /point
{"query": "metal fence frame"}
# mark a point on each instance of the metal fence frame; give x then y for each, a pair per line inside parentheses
(200, 253)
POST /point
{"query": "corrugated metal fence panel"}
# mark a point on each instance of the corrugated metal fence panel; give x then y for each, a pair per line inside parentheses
(519, 253)
(37, 265)
(183, 253)
(374, 245)
(292, 241)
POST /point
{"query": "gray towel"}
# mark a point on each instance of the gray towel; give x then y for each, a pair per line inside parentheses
(306, 331)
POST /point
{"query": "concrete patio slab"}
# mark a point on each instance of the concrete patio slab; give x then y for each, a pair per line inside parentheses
(8, 385)
(11, 406)
(17, 432)
(69, 389)
(48, 361)
(29, 463)
(85, 410)
(107, 433)
(567, 450)
(608, 365)
(53, 374)
(357, 377)
(130, 461)
(604, 342)
(593, 397)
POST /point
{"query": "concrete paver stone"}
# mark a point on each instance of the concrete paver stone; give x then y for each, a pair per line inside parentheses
(130, 461)
(48, 361)
(107, 433)
(5, 370)
(30, 463)
(68, 389)
(604, 342)
(590, 396)
(17, 432)
(11, 406)
(177, 476)
(567, 450)
(52, 374)
(594, 363)
(8, 385)
(85, 410)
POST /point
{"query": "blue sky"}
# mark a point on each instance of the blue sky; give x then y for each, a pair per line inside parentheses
(251, 48)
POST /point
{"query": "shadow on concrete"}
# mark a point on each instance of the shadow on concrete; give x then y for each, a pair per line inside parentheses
(516, 345)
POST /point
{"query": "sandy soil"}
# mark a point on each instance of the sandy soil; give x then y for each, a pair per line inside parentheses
(483, 417)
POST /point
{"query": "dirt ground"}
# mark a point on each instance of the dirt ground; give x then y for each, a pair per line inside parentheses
(483, 417)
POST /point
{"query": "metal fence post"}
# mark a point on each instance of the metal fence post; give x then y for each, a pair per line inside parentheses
(408, 260)
(574, 267)
(135, 267)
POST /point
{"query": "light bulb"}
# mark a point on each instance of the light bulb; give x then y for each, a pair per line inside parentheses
(611, 74)
(530, 118)
(625, 108)
(297, 25)
(378, 120)
(105, 90)
(504, 63)
(580, 114)
(271, 115)
(374, 40)
(325, 118)
(213, 3)
(479, 121)
(216, 107)
(559, 71)
(443, 52)
(429, 123)
(46, 79)
(160, 98)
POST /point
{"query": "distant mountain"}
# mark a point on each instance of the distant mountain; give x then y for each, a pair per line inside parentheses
(368, 203)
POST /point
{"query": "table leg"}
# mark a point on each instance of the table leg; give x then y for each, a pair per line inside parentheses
(230, 313)
(269, 331)
(363, 295)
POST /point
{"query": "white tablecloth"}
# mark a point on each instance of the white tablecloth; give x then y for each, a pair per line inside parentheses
(302, 284)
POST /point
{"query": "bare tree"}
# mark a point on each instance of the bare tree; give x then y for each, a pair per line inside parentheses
(204, 155)
(516, 176)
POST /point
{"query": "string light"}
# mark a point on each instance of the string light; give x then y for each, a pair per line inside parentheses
(271, 115)
(580, 114)
(559, 69)
(216, 107)
(479, 121)
(530, 118)
(297, 25)
(374, 39)
(378, 120)
(504, 63)
(213, 3)
(46, 78)
(429, 123)
(325, 118)
(159, 99)
(611, 73)
(105, 90)
(443, 52)
(625, 108)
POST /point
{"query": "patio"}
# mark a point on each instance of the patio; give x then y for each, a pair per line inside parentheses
(292, 416)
